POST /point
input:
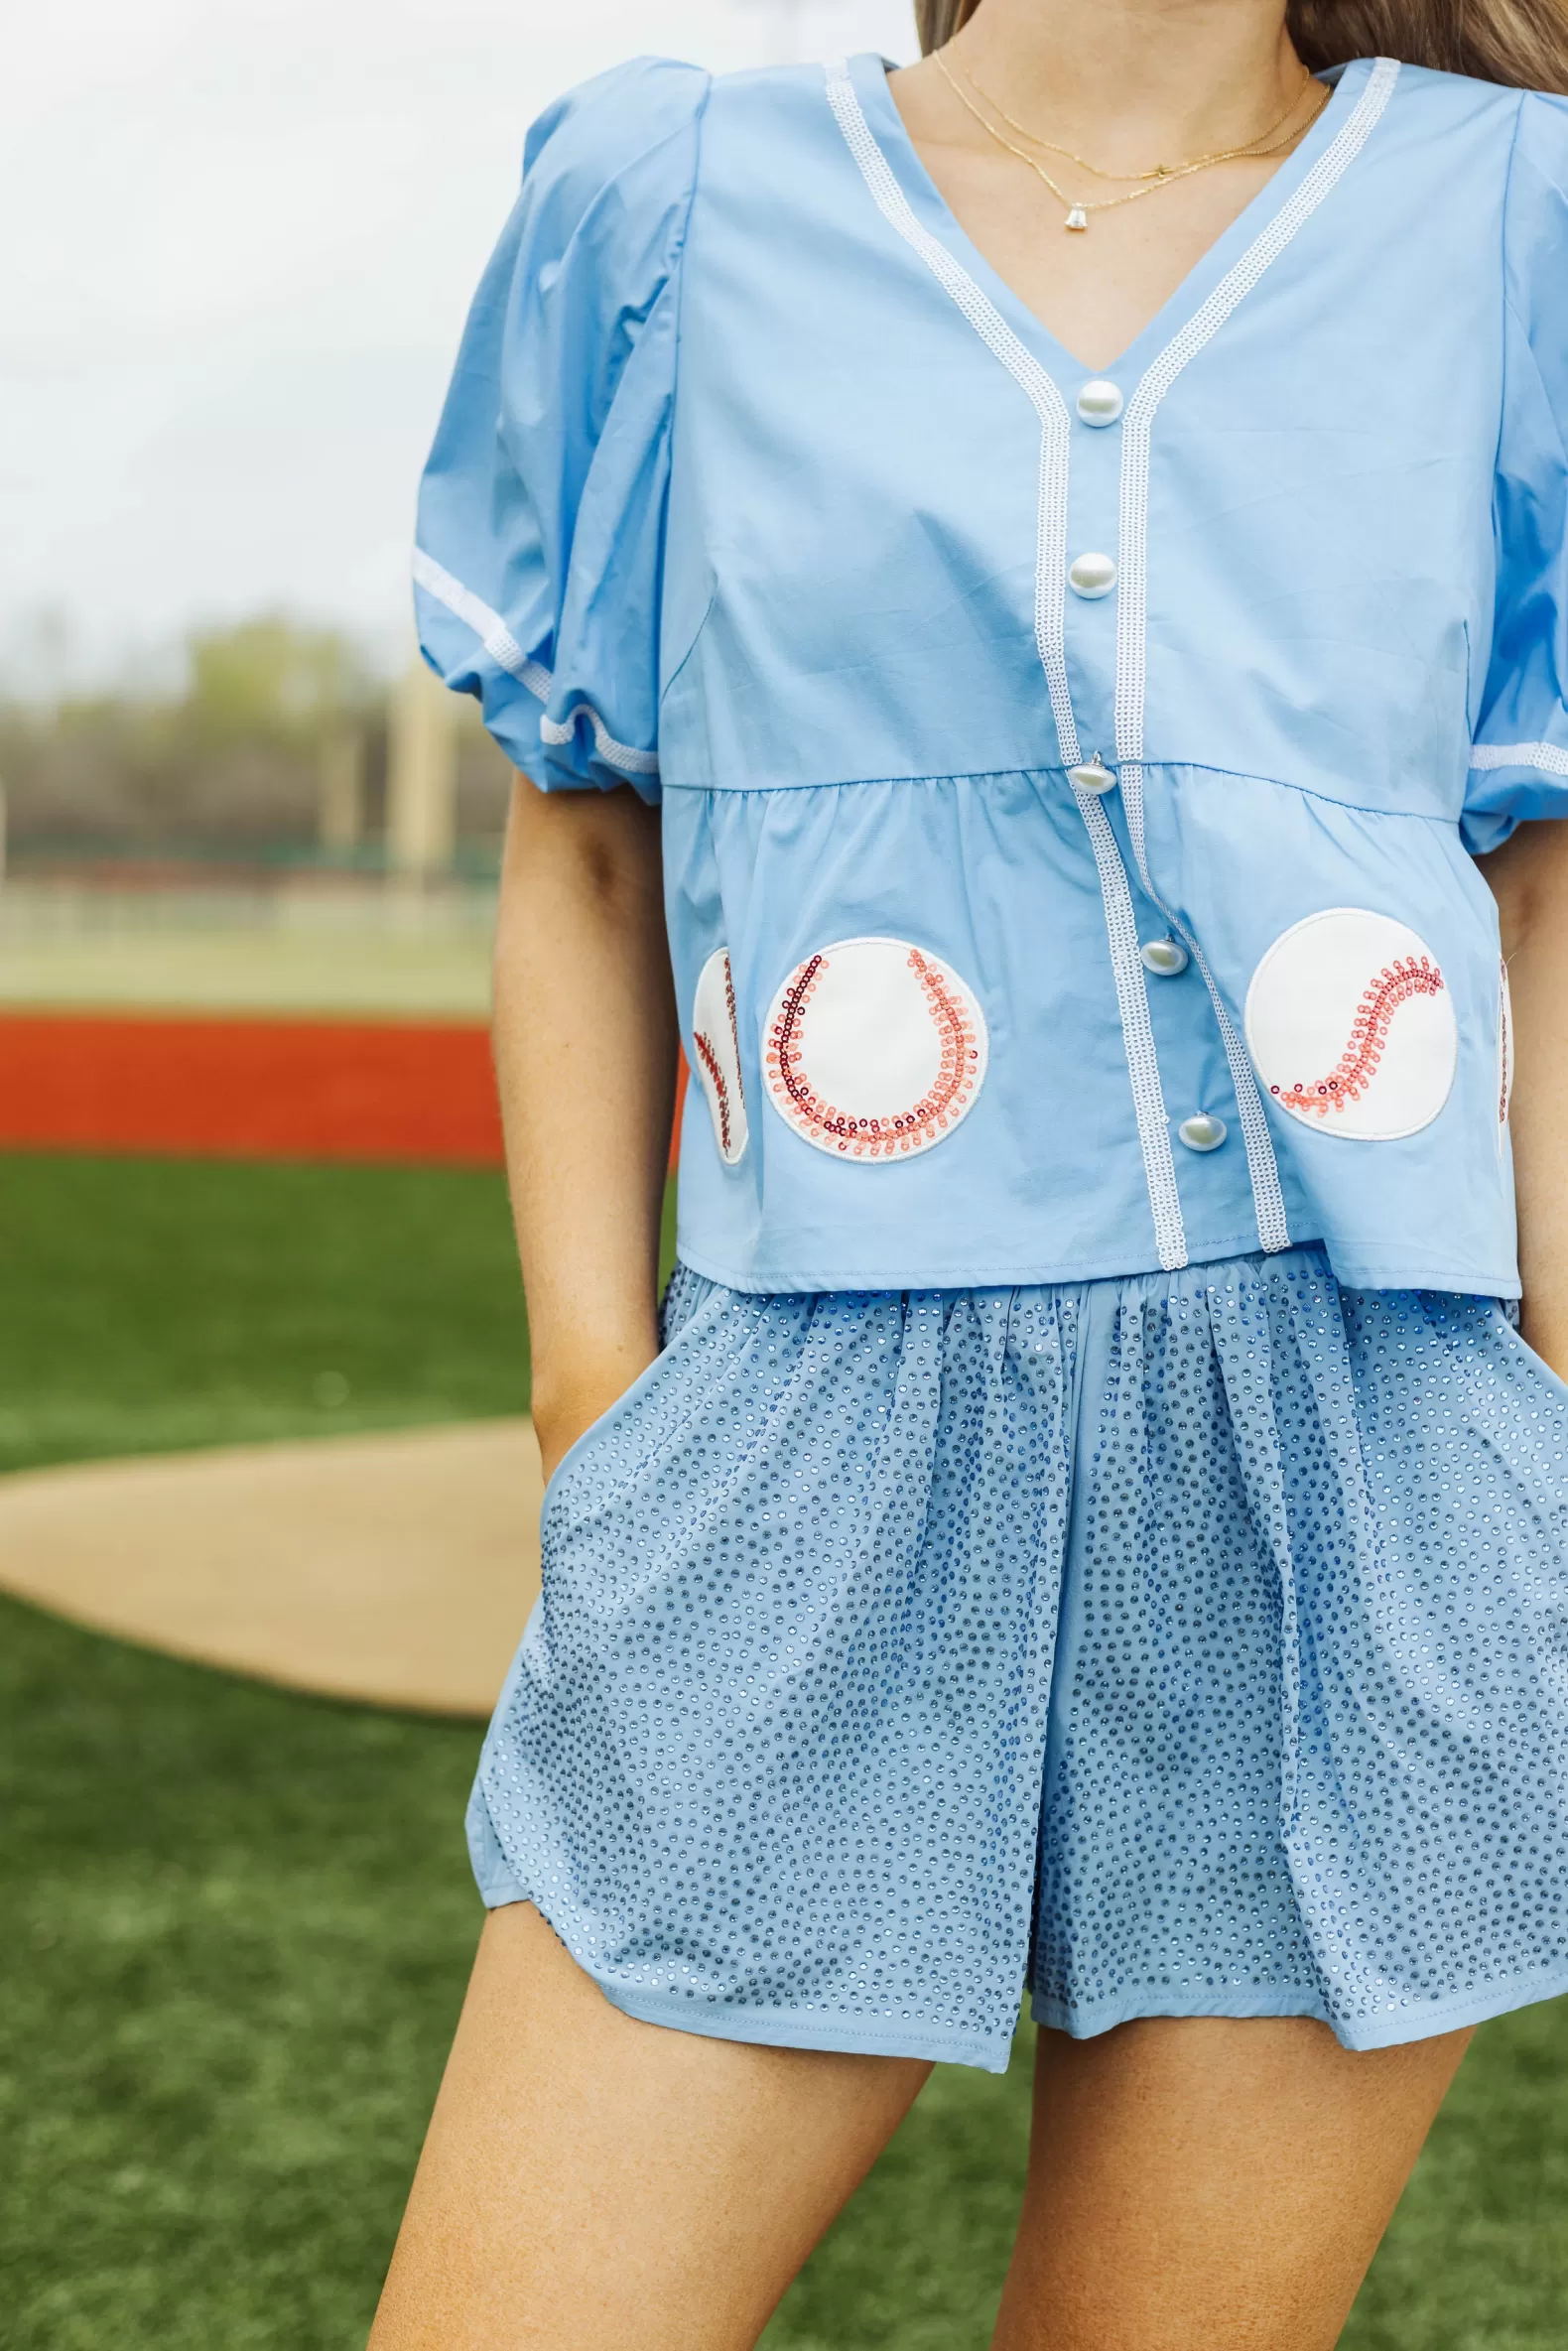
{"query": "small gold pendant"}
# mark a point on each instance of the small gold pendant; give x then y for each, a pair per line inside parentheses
(1077, 217)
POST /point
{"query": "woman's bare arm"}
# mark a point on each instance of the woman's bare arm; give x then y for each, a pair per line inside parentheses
(586, 1044)
(1529, 880)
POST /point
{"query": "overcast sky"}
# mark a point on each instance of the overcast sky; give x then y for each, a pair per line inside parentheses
(240, 238)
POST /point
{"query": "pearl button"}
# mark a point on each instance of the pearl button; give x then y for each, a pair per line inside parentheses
(1204, 1132)
(1099, 402)
(1166, 956)
(1091, 574)
(1093, 776)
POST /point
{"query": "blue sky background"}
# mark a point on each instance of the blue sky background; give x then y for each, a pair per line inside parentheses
(241, 236)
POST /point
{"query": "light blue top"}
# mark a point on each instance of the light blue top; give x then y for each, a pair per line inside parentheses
(757, 487)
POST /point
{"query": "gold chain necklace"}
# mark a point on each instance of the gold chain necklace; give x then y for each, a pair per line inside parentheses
(1198, 162)
(1078, 208)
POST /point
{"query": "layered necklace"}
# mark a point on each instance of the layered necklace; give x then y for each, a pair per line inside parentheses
(1078, 208)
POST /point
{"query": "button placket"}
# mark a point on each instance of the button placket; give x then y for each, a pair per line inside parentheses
(1092, 561)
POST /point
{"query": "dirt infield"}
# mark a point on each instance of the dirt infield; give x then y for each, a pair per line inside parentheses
(395, 1570)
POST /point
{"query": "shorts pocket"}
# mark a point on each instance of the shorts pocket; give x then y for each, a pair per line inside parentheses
(667, 1390)
(567, 1469)
(1536, 1364)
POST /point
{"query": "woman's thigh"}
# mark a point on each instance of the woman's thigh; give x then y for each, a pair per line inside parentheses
(1212, 2183)
(590, 2182)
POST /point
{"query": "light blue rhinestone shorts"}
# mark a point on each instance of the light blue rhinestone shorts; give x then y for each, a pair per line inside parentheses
(1190, 1644)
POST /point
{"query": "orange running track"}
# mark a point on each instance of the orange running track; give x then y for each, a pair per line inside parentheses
(422, 1092)
(253, 1088)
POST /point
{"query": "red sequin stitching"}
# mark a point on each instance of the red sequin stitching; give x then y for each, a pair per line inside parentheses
(710, 1060)
(1406, 977)
(1504, 1046)
(879, 1138)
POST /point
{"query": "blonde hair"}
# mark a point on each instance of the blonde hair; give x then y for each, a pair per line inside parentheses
(1520, 43)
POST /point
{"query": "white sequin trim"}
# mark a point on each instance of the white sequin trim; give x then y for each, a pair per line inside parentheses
(1133, 613)
(1132, 1001)
(613, 754)
(491, 630)
(504, 650)
(1545, 757)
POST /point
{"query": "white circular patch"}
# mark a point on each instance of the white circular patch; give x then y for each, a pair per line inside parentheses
(875, 1049)
(717, 1039)
(1351, 1025)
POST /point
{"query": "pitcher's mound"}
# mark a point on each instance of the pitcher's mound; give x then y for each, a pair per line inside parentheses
(396, 1570)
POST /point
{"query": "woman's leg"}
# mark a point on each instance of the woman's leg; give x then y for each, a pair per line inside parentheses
(1211, 2185)
(590, 2183)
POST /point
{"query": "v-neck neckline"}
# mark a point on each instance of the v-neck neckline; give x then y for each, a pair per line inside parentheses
(869, 73)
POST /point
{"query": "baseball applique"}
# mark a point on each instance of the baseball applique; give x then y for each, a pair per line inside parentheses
(1351, 1025)
(875, 1049)
(718, 1044)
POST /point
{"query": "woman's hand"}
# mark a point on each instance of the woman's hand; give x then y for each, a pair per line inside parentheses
(1529, 880)
(586, 1046)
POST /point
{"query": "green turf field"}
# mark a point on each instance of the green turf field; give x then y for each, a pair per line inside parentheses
(239, 1922)
(152, 1303)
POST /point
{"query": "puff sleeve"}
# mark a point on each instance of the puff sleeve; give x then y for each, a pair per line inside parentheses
(1520, 762)
(539, 556)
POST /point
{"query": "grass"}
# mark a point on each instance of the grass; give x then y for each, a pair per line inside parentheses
(151, 1304)
(239, 1922)
(238, 1925)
